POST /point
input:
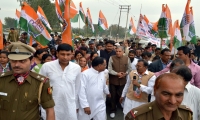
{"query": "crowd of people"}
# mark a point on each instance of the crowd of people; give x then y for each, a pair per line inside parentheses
(65, 82)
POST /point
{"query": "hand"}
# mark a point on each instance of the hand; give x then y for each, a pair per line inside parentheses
(135, 82)
(121, 99)
(119, 74)
(123, 75)
(109, 95)
(87, 110)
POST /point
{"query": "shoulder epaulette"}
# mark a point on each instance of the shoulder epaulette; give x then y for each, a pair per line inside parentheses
(139, 110)
(39, 77)
(183, 107)
(6, 74)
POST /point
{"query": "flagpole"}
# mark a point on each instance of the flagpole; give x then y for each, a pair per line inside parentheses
(79, 23)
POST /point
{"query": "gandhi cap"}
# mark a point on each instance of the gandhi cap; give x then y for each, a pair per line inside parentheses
(20, 51)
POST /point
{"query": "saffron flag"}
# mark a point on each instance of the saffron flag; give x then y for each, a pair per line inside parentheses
(165, 22)
(30, 22)
(132, 29)
(73, 12)
(66, 35)
(82, 13)
(17, 16)
(89, 20)
(1, 35)
(176, 36)
(187, 24)
(43, 18)
(102, 22)
(58, 12)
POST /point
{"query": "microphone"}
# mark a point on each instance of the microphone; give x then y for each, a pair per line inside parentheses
(134, 87)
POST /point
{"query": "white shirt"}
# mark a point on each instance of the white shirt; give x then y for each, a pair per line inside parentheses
(65, 88)
(192, 100)
(91, 93)
(133, 64)
(147, 89)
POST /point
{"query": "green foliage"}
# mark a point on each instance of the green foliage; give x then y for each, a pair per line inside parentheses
(9, 22)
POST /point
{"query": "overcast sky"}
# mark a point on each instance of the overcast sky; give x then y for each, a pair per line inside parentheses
(110, 8)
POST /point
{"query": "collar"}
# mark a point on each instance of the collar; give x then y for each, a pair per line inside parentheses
(188, 86)
(95, 71)
(27, 79)
(164, 63)
(192, 63)
(158, 114)
(145, 73)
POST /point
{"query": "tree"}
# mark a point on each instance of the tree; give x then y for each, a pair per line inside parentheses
(9, 22)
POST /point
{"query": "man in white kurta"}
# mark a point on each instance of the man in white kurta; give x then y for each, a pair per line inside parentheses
(91, 94)
(65, 88)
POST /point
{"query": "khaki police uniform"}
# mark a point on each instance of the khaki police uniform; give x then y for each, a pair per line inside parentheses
(150, 111)
(21, 102)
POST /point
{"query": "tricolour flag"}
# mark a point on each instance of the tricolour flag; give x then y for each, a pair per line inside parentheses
(1, 35)
(30, 22)
(132, 29)
(17, 16)
(187, 24)
(102, 22)
(66, 35)
(176, 35)
(151, 26)
(73, 12)
(165, 22)
(89, 20)
(43, 18)
(81, 12)
(58, 12)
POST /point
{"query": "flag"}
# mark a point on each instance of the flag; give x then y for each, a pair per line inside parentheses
(43, 18)
(66, 35)
(176, 36)
(165, 22)
(1, 35)
(81, 12)
(17, 16)
(30, 22)
(73, 12)
(89, 20)
(187, 24)
(102, 22)
(132, 29)
(58, 12)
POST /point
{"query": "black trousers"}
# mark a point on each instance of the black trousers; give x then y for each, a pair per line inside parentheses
(116, 92)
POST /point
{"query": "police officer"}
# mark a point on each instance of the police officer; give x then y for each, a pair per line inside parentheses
(22, 91)
(168, 91)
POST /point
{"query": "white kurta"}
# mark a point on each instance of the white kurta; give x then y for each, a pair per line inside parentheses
(133, 64)
(65, 88)
(91, 94)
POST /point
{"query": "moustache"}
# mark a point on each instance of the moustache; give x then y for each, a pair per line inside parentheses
(17, 68)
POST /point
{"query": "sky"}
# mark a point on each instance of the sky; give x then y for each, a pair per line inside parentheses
(110, 8)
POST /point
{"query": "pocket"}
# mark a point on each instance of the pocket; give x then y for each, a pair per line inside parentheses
(4, 102)
(29, 103)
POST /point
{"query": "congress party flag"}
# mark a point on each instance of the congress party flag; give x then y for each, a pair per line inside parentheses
(30, 22)
(132, 29)
(89, 20)
(81, 12)
(17, 16)
(1, 35)
(73, 12)
(66, 35)
(43, 18)
(102, 22)
(177, 35)
(58, 12)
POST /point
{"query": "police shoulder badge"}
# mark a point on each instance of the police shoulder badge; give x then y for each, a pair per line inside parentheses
(50, 90)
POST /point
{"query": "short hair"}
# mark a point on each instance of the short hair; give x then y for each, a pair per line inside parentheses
(83, 48)
(147, 47)
(99, 45)
(154, 45)
(64, 47)
(128, 41)
(173, 63)
(24, 33)
(144, 62)
(132, 51)
(97, 61)
(4, 52)
(44, 57)
(148, 54)
(165, 75)
(120, 47)
(92, 54)
(138, 49)
(184, 72)
(185, 49)
(78, 52)
(35, 45)
(157, 49)
(110, 42)
(165, 50)
(38, 52)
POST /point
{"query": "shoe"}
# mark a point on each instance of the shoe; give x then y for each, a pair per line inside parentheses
(112, 115)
